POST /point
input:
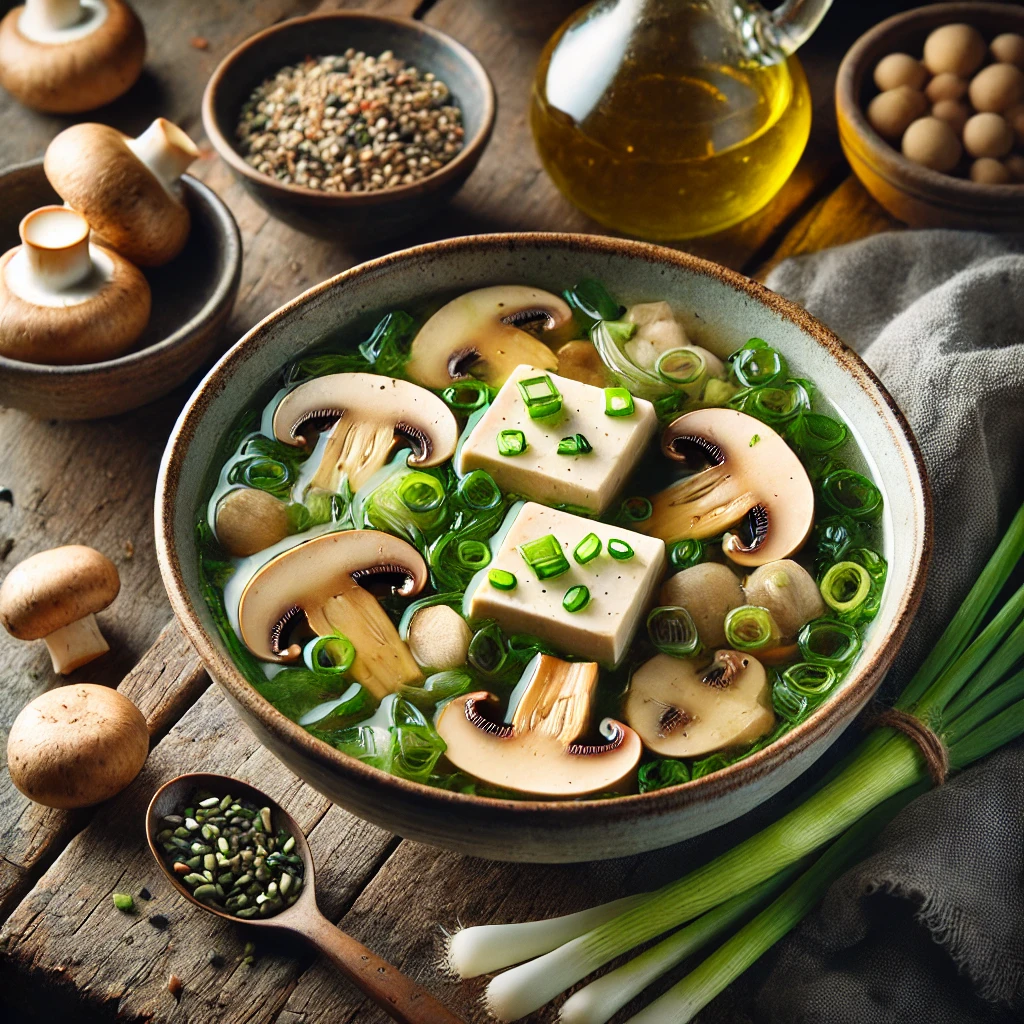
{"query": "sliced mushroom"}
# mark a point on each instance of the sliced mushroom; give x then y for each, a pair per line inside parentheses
(682, 710)
(540, 751)
(369, 416)
(439, 638)
(249, 520)
(708, 591)
(788, 591)
(579, 360)
(321, 579)
(750, 476)
(483, 334)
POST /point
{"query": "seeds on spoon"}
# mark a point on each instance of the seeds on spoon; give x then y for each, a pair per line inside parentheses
(229, 856)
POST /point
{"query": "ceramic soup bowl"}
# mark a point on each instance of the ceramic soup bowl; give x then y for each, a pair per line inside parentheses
(723, 308)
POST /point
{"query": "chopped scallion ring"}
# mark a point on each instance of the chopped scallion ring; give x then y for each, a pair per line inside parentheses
(473, 554)
(618, 402)
(680, 365)
(828, 642)
(502, 579)
(619, 550)
(576, 599)
(672, 631)
(545, 557)
(588, 549)
(575, 445)
(541, 396)
(511, 442)
(845, 587)
(750, 628)
(467, 395)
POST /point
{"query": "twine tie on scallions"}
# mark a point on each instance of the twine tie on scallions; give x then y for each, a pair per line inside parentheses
(933, 750)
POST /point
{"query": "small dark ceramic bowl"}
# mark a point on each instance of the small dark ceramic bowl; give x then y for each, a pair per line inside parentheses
(917, 195)
(192, 299)
(350, 216)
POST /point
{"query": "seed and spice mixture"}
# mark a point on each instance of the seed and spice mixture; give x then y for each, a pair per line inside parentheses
(229, 856)
(350, 123)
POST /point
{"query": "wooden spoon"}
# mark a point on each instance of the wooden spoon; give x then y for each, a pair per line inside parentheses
(399, 996)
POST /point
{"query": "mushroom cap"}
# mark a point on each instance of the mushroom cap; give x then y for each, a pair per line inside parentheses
(439, 638)
(84, 73)
(249, 520)
(788, 591)
(94, 170)
(485, 327)
(708, 591)
(102, 327)
(311, 573)
(54, 588)
(678, 715)
(417, 416)
(749, 470)
(76, 745)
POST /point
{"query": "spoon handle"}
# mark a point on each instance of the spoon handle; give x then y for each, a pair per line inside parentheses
(398, 995)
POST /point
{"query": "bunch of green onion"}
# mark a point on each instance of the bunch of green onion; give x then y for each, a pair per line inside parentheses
(969, 691)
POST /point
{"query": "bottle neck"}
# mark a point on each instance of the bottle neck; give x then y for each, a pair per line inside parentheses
(166, 150)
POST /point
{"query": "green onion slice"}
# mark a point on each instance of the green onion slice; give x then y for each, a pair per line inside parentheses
(618, 402)
(420, 492)
(634, 510)
(750, 628)
(487, 651)
(778, 404)
(845, 587)
(619, 550)
(479, 492)
(590, 302)
(467, 395)
(588, 549)
(850, 493)
(502, 579)
(673, 632)
(829, 642)
(541, 396)
(816, 434)
(266, 474)
(545, 557)
(329, 655)
(788, 704)
(575, 445)
(813, 681)
(681, 365)
(511, 442)
(576, 598)
(686, 553)
(757, 364)
(473, 554)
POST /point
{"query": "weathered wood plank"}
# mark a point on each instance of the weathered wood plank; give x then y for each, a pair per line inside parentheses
(67, 948)
(165, 683)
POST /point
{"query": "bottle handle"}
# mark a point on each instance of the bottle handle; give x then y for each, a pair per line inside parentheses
(791, 24)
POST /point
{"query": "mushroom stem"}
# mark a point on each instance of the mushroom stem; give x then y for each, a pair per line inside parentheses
(356, 449)
(383, 662)
(56, 247)
(75, 645)
(556, 702)
(699, 506)
(51, 15)
(166, 150)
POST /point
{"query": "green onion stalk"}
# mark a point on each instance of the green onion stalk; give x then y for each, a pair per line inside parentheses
(969, 691)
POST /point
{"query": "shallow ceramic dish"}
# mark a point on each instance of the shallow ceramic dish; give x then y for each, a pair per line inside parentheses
(732, 308)
(917, 195)
(192, 299)
(350, 216)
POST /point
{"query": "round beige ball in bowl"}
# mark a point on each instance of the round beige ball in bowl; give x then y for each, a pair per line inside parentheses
(75, 746)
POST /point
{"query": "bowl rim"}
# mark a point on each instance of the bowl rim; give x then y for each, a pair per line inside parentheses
(223, 220)
(885, 159)
(843, 706)
(465, 159)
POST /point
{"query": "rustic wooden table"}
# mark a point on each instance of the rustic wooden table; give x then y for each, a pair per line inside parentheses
(65, 952)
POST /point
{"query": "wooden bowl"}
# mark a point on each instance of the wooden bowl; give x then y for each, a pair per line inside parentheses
(350, 216)
(725, 309)
(917, 195)
(192, 299)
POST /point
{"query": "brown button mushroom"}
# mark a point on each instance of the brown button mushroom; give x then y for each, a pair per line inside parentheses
(66, 56)
(64, 301)
(439, 638)
(540, 751)
(483, 334)
(321, 580)
(127, 189)
(788, 591)
(54, 596)
(579, 360)
(749, 475)
(75, 746)
(249, 520)
(369, 416)
(681, 710)
(708, 591)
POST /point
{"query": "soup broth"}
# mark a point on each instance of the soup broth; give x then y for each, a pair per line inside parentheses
(528, 545)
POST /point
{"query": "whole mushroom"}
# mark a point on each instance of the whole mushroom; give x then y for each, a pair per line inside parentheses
(65, 301)
(789, 593)
(439, 638)
(54, 596)
(248, 520)
(75, 746)
(708, 591)
(67, 56)
(129, 190)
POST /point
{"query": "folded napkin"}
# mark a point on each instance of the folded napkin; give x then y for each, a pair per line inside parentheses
(930, 926)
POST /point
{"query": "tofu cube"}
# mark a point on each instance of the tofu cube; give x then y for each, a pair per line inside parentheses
(621, 592)
(589, 481)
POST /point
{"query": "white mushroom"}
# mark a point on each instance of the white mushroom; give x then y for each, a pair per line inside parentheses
(789, 593)
(54, 596)
(369, 415)
(708, 591)
(249, 520)
(439, 638)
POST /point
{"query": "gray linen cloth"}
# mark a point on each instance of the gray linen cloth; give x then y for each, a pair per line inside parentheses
(930, 926)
